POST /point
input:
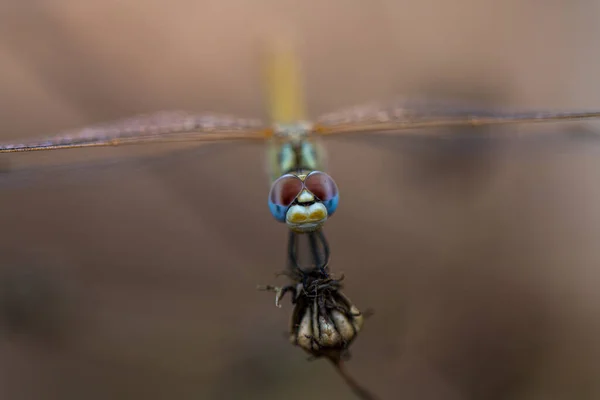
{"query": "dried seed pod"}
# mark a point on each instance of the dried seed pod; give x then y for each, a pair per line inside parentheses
(324, 322)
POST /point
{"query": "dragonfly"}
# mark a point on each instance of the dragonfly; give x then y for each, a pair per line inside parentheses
(302, 195)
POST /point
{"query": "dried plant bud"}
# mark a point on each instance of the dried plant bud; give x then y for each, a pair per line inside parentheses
(324, 322)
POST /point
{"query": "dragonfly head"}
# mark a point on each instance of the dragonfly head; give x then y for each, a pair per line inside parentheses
(303, 202)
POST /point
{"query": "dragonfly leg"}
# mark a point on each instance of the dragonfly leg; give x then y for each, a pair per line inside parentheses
(319, 251)
(323, 270)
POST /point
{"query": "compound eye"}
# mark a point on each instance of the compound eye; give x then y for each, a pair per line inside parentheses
(321, 185)
(285, 190)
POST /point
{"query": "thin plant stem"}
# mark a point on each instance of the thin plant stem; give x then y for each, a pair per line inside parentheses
(360, 391)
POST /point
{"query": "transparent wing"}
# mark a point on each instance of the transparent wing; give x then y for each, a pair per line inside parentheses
(406, 114)
(164, 126)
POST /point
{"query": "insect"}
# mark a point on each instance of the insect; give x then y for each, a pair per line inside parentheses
(302, 195)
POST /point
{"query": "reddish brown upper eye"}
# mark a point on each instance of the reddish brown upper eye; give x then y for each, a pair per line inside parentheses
(321, 185)
(285, 189)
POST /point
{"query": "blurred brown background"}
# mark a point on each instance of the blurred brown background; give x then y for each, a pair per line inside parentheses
(134, 276)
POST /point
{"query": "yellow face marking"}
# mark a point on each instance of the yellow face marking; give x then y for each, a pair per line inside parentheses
(297, 217)
(313, 214)
(317, 214)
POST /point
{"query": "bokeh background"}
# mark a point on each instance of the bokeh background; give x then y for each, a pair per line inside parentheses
(130, 273)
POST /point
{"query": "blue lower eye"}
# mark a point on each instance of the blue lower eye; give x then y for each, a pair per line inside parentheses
(278, 211)
(332, 204)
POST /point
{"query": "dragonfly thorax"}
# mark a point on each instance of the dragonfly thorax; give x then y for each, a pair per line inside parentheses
(295, 132)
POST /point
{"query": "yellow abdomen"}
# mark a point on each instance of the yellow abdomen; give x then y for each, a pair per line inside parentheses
(284, 84)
